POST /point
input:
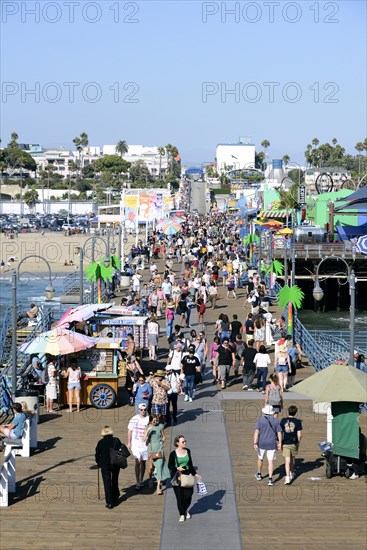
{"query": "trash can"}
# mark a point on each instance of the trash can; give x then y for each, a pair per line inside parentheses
(124, 280)
(30, 397)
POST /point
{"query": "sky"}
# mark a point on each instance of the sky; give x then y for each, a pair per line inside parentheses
(191, 73)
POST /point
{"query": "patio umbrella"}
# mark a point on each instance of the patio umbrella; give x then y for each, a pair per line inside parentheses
(285, 231)
(58, 341)
(81, 313)
(362, 244)
(171, 228)
(338, 382)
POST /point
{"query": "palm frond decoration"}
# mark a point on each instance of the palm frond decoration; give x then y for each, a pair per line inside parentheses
(106, 272)
(93, 272)
(293, 295)
(276, 267)
(115, 262)
(251, 239)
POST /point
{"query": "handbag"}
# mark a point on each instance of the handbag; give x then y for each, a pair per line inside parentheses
(154, 456)
(187, 481)
(175, 481)
(118, 457)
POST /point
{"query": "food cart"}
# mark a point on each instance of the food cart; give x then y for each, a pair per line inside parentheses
(102, 365)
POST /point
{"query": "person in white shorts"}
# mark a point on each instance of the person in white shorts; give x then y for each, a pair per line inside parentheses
(136, 445)
(267, 438)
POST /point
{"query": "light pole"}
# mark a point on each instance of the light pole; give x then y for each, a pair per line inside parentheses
(81, 261)
(49, 294)
(318, 294)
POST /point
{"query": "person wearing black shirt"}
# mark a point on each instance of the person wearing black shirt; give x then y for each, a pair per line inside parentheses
(224, 360)
(235, 328)
(248, 365)
(249, 328)
(190, 364)
(292, 435)
(110, 473)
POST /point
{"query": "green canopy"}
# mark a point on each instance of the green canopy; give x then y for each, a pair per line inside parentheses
(345, 429)
(338, 382)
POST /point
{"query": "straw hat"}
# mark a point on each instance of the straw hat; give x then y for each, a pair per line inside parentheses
(170, 305)
(268, 409)
(106, 430)
(282, 349)
(160, 373)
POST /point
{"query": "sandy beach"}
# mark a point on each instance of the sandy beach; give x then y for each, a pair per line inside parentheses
(55, 247)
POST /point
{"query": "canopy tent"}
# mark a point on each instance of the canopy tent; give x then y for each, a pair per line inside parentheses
(273, 214)
(347, 232)
(357, 201)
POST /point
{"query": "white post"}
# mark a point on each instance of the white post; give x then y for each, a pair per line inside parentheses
(137, 219)
(329, 425)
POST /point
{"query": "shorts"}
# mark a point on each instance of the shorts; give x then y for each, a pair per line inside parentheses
(74, 386)
(10, 433)
(139, 454)
(136, 288)
(270, 455)
(159, 409)
(290, 450)
(215, 277)
(224, 371)
(281, 368)
(249, 337)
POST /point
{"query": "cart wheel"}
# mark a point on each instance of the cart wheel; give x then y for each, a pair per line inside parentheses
(329, 473)
(102, 396)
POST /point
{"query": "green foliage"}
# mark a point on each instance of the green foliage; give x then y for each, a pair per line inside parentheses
(16, 159)
(139, 173)
(251, 239)
(293, 295)
(96, 271)
(111, 164)
(276, 267)
(115, 262)
(296, 174)
(121, 147)
(30, 197)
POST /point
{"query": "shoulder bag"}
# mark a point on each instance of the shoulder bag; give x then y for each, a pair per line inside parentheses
(118, 457)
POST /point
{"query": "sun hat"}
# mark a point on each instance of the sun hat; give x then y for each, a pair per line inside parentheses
(106, 430)
(170, 305)
(268, 409)
(159, 373)
(282, 349)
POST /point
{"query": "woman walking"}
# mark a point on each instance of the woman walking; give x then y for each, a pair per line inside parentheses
(274, 394)
(282, 366)
(259, 333)
(261, 360)
(154, 438)
(153, 332)
(110, 474)
(51, 385)
(180, 465)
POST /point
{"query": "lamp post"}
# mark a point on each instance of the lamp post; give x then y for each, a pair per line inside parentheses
(318, 294)
(49, 294)
(81, 261)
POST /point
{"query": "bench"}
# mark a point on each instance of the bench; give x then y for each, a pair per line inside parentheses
(7, 478)
(22, 447)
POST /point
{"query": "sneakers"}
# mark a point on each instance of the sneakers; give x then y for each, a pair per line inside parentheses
(270, 482)
(258, 476)
(250, 389)
(188, 516)
(244, 387)
(287, 480)
(186, 398)
(292, 475)
(182, 518)
(354, 476)
(190, 399)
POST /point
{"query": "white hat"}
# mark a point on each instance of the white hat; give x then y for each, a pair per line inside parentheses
(268, 409)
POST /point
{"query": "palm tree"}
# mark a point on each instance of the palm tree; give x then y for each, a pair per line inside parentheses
(360, 147)
(98, 272)
(334, 141)
(79, 143)
(265, 144)
(290, 298)
(13, 140)
(250, 240)
(121, 147)
(162, 152)
(315, 142)
(286, 160)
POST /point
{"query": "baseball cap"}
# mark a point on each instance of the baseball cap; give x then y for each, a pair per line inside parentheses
(142, 407)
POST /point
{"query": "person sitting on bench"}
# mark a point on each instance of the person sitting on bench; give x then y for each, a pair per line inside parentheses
(14, 430)
(31, 313)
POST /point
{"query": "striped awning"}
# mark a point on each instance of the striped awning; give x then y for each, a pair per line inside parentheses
(272, 214)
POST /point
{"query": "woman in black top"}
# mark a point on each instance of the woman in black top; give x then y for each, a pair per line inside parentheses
(180, 462)
(110, 474)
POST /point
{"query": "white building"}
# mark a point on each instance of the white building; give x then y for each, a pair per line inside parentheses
(235, 156)
(338, 175)
(149, 155)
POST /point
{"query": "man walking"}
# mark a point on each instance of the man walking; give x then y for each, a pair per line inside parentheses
(267, 439)
(292, 435)
(190, 364)
(248, 365)
(224, 360)
(136, 445)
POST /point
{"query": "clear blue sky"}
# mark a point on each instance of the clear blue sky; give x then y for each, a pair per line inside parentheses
(169, 52)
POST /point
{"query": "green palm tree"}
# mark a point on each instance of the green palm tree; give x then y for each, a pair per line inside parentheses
(98, 272)
(290, 298)
(162, 152)
(250, 240)
(121, 147)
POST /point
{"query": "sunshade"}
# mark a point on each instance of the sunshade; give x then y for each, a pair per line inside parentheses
(285, 231)
(58, 341)
(362, 244)
(170, 227)
(81, 313)
(338, 382)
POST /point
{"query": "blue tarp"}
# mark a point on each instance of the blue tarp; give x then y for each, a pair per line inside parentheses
(347, 232)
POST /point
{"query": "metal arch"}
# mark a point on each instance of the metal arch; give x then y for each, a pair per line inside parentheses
(95, 238)
(360, 181)
(331, 181)
(345, 181)
(40, 258)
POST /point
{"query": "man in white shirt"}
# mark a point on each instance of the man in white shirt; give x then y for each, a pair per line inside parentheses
(136, 283)
(136, 445)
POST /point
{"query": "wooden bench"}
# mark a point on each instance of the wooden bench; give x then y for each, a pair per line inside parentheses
(22, 447)
(7, 478)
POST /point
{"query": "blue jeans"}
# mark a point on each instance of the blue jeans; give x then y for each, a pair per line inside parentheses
(262, 373)
(169, 327)
(224, 334)
(189, 384)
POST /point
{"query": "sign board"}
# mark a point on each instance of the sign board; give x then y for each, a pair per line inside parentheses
(302, 195)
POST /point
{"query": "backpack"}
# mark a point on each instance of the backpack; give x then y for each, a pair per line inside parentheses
(274, 397)
(239, 350)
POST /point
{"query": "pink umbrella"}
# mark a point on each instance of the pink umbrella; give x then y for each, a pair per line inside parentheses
(81, 313)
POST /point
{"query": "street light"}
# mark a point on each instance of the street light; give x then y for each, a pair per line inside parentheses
(49, 294)
(318, 295)
(106, 263)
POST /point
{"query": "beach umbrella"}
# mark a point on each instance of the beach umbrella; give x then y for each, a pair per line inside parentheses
(171, 228)
(81, 313)
(338, 382)
(285, 231)
(362, 244)
(58, 341)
